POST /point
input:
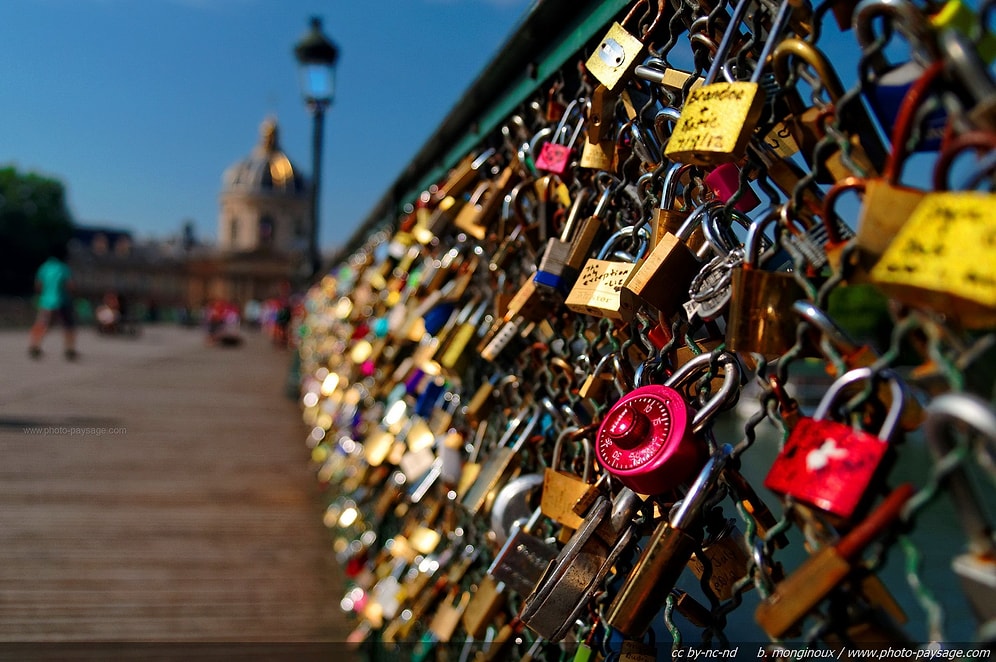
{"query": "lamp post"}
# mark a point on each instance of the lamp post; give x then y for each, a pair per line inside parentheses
(316, 57)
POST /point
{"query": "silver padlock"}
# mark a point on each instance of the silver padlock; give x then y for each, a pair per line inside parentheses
(514, 504)
(523, 558)
(976, 568)
(567, 587)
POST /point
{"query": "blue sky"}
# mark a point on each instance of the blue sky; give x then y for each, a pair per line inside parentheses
(138, 106)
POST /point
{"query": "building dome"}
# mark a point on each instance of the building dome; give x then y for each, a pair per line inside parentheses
(267, 170)
(265, 201)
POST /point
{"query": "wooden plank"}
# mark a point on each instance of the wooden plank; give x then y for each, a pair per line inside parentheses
(197, 519)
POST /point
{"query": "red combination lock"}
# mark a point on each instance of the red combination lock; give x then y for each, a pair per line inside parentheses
(648, 440)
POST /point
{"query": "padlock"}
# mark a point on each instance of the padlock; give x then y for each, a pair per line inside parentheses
(649, 439)
(887, 205)
(528, 305)
(718, 119)
(948, 414)
(724, 561)
(828, 464)
(563, 489)
(866, 150)
(618, 53)
(887, 85)
(524, 557)
(760, 318)
(665, 555)
(555, 154)
(475, 217)
(711, 289)
(462, 176)
(669, 217)
(663, 279)
(498, 465)
(485, 604)
(855, 356)
(725, 182)
(599, 289)
(451, 353)
(556, 271)
(514, 503)
(945, 266)
(801, 591)
(565, 589)
(599, 146)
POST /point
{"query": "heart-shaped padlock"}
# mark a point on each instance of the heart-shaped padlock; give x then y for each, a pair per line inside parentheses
(648, 439)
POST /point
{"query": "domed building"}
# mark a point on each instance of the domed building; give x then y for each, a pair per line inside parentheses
(265, 210)
(263, 230)
(265, 201)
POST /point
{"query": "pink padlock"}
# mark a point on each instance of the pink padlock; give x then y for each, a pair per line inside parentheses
(555, 155)
(649, 439)
(724, 181)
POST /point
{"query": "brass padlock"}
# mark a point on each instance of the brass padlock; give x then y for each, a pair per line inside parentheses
(727, 558)
(665, 556)
(498, 465)
(618, 53)
(600, 287)
(663, 278)
(561, 489)
(485, 604)
(887, 205)
(718, 119)
(761, 319)
(805, 588)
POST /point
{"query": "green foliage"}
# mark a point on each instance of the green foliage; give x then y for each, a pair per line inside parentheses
(34, 223)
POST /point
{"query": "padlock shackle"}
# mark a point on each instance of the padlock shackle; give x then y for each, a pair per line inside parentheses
(669, 191)
(519, 489)
(831, 330)
(897, 389)
(901, 132)
(754, 243)
(578, 435)
(702, 363)
(688, 510)
(793, 47)
(976, 414)
(912, 24)
(974, 140)
(546, 132)
(635, 232)
(830, 198)
(732, 28)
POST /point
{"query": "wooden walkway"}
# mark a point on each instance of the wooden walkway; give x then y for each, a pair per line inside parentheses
(158, 490)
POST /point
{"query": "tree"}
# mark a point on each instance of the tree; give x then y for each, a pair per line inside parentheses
(34, 221)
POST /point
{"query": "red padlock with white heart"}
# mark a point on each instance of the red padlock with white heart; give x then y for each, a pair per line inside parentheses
(828, 464)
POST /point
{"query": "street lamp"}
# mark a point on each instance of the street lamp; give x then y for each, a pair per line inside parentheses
(316, 57)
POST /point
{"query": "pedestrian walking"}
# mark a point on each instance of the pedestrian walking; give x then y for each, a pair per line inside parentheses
(54, 285)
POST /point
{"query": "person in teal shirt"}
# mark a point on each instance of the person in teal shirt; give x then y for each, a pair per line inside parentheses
(54, 283)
